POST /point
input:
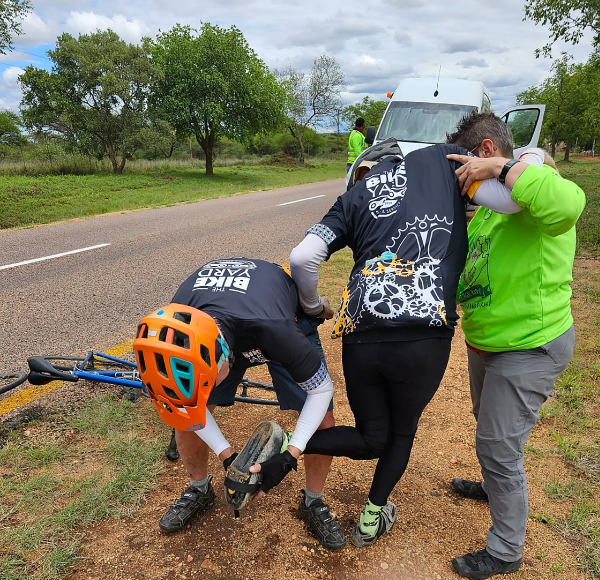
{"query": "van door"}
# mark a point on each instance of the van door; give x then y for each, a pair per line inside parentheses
(525, 122)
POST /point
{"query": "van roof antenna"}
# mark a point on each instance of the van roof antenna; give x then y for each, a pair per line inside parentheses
(436, 93)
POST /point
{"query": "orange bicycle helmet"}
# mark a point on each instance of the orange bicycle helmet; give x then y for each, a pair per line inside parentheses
(179, 351)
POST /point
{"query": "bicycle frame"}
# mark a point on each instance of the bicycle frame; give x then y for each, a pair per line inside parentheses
(124, 378)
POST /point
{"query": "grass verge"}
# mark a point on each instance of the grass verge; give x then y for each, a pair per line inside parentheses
(571, 418)
(28, 201)
(586, 173)
(60, 474)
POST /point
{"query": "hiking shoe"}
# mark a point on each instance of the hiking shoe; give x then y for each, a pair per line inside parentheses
(322, 525)
(470, 489)
(483, 565)
(387, 518)
(191, 502)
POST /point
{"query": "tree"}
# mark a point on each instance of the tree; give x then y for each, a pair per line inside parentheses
(10, 133)
(311, 98)
(213, 85)
(371, 111)
(568, 20)
(568, 95)
(95, 95)
(11, 14)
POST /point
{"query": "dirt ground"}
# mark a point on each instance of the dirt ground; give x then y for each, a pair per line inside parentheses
(268, 542)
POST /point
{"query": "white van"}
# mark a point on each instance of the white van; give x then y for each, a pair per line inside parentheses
(423, 110)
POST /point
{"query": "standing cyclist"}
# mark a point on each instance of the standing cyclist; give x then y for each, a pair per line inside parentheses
(227, 316)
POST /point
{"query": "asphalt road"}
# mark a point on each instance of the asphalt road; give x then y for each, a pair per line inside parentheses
(93, 300)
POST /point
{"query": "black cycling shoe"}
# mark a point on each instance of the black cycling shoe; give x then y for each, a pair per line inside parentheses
(322, 525)
(181, 514)
(483, 565)
(470, 489)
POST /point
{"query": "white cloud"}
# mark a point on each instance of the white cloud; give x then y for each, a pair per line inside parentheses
(87, 22)
(37, 31)
(10, 92)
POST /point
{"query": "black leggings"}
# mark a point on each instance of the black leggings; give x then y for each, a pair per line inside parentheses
(388, 386)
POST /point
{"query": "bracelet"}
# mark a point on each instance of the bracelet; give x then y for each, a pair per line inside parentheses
(505, 170)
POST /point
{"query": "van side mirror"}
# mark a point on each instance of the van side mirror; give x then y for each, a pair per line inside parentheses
(370, 137)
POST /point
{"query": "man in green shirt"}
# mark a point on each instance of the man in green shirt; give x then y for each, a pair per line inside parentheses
(515, 296)
(356, 142)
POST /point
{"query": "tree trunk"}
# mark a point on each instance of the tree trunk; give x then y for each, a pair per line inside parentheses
(112, 155)
(553, 146)
(209, 160)
(301, 145)
(568, 150)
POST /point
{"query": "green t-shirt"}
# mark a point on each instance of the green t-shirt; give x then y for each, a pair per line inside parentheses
(514, 290)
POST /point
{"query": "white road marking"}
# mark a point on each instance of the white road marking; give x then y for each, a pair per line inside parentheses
(299, 200)
(52, 257)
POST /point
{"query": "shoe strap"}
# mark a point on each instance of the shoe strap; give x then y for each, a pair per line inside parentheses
(238, 481)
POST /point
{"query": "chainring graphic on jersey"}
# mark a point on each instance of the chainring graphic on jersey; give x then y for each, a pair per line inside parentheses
(403, 284)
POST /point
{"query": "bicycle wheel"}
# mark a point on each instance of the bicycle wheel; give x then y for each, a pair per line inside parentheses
(10, 381)
(244, 397)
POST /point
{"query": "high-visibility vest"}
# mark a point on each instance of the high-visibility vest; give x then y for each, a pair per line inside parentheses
(356, 145)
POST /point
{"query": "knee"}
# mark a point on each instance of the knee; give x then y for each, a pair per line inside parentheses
(375, 445)
(501, 464)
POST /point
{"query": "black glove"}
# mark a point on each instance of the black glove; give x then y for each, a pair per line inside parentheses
(229, 461)
(276, 468)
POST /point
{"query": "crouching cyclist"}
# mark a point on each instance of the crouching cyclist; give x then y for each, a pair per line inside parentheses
(229, 315)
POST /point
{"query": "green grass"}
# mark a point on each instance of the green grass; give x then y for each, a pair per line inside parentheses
(571, 418)
(51, 490)
(28, 201)
(586, 174)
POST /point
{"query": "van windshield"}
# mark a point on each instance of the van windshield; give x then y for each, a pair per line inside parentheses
(421, 122)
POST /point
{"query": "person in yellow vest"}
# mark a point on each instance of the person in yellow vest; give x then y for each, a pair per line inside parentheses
(356, 142)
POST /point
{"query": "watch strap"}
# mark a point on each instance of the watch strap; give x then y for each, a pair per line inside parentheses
(506, 169)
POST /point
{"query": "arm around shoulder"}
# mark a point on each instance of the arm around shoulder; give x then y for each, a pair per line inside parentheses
(555, 203)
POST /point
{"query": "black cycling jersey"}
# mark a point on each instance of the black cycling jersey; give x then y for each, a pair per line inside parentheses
(406, 224)
(255, 303)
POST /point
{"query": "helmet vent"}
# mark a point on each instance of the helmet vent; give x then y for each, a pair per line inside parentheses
(185, 317)
(160, 364)
(171, 393)
(149, 388)
(174, 337)
(142, 361)
(205, 354)
(142, 331)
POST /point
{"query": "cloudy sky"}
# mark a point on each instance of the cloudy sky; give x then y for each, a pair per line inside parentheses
(376, 42)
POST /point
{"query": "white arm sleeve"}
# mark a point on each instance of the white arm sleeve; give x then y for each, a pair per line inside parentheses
(495, 196)
(304, 266)
(212, 436)
(313, 411)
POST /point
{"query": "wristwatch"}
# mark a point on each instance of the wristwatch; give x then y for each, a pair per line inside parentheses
(505, 170)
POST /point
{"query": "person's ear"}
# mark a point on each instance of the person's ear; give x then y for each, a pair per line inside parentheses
(488, 149)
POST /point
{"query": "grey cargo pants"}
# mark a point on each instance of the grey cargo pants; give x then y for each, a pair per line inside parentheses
(507, 391)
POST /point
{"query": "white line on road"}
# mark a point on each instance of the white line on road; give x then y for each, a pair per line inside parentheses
(299, 200)
(52, 257)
